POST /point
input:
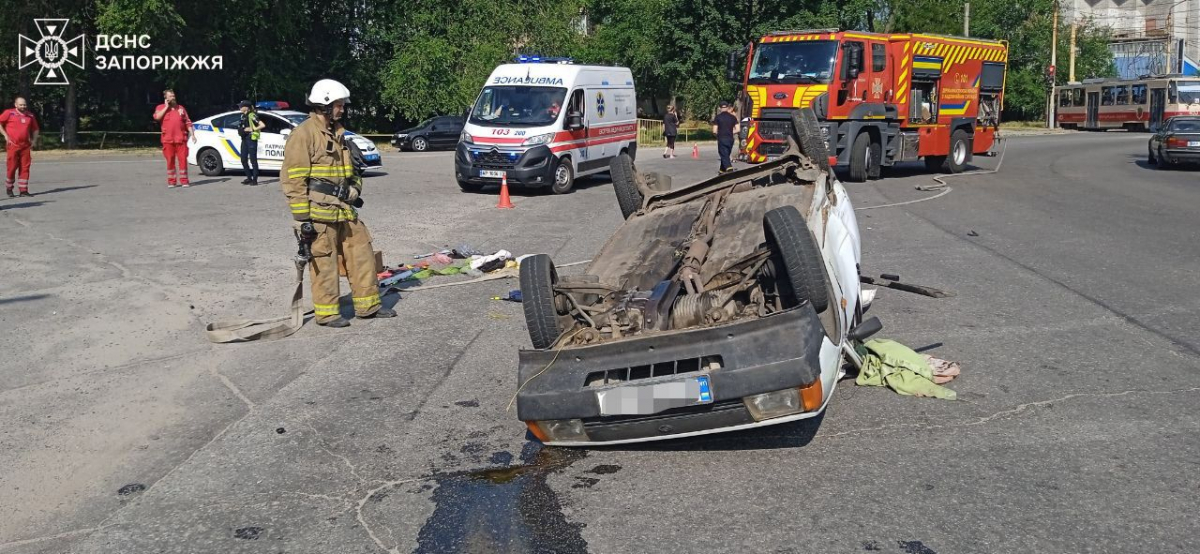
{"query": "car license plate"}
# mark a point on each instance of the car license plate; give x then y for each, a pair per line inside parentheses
(655, 398)
(1194, 144)
(371, 157)
(492, 173)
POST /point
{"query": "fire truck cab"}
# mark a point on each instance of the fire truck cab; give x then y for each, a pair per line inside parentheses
(880, 98)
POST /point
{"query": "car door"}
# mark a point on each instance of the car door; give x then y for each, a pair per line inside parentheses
(271, 140)
(230, 142)
(439, 132)
(454, 127)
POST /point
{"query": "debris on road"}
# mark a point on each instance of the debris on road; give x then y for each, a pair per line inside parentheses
(887, 363)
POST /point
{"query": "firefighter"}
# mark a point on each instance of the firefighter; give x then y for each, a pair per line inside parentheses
(321, 186)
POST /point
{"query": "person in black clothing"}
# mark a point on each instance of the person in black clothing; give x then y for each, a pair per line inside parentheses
(670, 131)
(725, 126)
(250, 127)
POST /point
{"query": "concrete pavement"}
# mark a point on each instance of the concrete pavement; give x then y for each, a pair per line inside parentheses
(123, 430)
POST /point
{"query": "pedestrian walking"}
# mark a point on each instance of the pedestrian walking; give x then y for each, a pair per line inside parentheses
(250, 127)
(20, 130)
(725, 126)
(322, 190)
(176, 132)
(670, 131)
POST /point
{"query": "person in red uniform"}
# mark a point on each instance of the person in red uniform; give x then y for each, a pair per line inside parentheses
(176, 131)
(20, 130)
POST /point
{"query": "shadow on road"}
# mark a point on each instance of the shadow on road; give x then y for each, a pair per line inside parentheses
(26, 298)
(210, 181)
(22, 205)
(66, 189)
(785, 435)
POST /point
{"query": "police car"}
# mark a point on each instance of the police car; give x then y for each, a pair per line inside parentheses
(218, 144)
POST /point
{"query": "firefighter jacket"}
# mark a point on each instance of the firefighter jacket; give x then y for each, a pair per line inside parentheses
(316, 161)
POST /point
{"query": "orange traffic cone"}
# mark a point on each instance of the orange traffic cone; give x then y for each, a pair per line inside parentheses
(505, 201)
(695, 151)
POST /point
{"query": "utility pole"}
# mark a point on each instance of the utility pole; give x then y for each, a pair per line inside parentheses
(1050, 104)
(966, 19)
(1170, 38)
(1071, 74)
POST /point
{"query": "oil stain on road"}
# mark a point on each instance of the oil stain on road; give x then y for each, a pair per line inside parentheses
(510, 509)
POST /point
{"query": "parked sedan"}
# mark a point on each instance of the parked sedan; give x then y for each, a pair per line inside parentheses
(435, 132)
(1178, 141)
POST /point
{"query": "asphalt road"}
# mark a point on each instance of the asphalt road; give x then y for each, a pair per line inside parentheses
(122, 430)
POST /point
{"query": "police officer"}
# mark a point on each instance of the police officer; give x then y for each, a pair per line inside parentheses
(249, 127)
(322, 186)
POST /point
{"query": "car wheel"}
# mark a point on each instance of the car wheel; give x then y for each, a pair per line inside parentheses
(210, 162)
(537, 300)
(861, 156)
(624, 178)
(959, 147)
(797, 257)
(564, 177)
(470, 187)
(1150, 155)
(419, 144)
(807, 131)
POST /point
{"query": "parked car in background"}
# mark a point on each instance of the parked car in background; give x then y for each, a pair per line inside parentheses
(433, 133)
(218, 144)
(1176, 142)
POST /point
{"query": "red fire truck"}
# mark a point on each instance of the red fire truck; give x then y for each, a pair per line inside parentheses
(880, 98)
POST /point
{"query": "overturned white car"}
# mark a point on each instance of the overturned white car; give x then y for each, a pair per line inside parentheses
(723, 305)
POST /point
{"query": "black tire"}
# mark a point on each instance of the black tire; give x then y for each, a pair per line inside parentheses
(470, 187)
(935, 163)
(564, 177)
(420, 144)
(798, 257)
(960, 149)
(807, 130)
(210, 162)
(657, 181)
(860, 158)
(624, 178)
(1150, 155)
(537, 300)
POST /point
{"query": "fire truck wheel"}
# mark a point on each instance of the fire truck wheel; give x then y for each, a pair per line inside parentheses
(808, 135)
(862, 157)
(960, 146)
(624, 179)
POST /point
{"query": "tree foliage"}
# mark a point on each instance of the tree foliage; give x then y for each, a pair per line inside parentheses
(407, 60)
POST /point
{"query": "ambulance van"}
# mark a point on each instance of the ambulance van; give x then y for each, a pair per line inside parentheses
(545, 123)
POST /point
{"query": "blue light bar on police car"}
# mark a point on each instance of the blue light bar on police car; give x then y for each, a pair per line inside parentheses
(272, 105)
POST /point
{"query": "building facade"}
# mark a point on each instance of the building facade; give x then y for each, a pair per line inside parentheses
(1149, 37)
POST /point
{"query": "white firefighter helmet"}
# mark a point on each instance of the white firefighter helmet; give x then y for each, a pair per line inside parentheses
(328, 91)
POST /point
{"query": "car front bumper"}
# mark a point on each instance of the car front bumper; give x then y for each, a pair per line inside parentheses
(532, 167)
(401, 142)
(757, 356)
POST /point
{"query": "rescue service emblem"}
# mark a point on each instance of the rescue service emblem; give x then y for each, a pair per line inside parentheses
(600, 104)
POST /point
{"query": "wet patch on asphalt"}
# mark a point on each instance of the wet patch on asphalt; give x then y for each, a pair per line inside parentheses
(507, 509)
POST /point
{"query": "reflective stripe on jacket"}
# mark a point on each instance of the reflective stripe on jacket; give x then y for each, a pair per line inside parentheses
(312, 151)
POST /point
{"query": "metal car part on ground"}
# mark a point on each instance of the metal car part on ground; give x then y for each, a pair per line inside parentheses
(722, 305)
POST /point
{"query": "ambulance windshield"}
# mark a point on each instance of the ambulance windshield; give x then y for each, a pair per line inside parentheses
(795, 62)
(518, 106)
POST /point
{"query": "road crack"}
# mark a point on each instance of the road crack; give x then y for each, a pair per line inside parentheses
(1019, 408)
